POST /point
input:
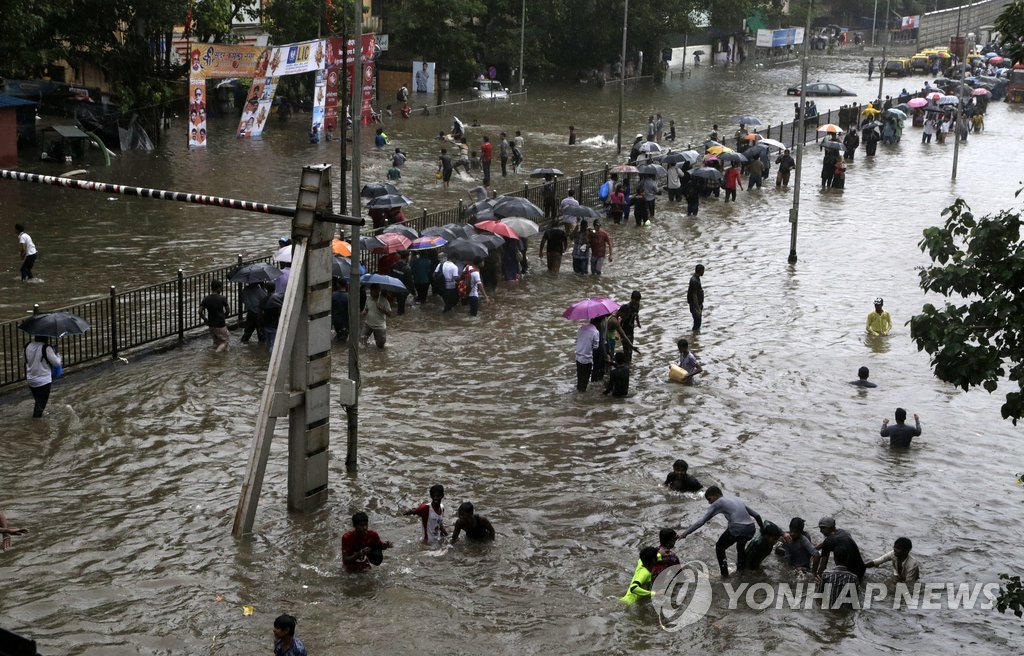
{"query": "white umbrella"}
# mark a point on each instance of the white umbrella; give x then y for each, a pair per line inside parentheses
(773, 143)
(522, 227)
(283, 254)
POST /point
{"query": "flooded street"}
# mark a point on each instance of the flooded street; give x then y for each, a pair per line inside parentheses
(129, 484)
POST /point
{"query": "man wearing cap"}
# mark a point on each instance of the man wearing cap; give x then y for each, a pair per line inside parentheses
(840, 543)
(879, 322)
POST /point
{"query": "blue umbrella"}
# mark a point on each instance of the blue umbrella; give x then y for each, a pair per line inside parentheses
(387, 283)
(341, 267)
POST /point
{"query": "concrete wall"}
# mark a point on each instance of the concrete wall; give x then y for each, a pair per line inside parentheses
(938, 26)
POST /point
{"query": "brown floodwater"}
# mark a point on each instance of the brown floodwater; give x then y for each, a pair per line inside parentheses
(130, 482)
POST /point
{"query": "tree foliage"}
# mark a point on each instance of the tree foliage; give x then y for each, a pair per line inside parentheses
(1010, 25)
(979, 340)
(1011, 595)
(27, 39)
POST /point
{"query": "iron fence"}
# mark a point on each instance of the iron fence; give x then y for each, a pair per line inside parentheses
(123, 321)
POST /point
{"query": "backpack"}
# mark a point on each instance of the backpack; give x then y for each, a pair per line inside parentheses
(606, 189)
(437, 280)
(464, 281)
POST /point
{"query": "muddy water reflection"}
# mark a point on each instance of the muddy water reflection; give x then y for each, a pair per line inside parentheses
(130, 484)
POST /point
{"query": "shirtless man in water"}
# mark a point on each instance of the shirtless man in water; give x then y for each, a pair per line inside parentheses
(477, 527)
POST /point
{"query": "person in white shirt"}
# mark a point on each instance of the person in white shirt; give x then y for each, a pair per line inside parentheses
(39, 358)
(476, 286)
(450, 271)
(28, 252)
(588, 339)
(904, 566)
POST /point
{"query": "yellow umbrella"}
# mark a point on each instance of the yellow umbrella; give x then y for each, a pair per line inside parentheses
(831, 128)
(870, 110)
(718, 150)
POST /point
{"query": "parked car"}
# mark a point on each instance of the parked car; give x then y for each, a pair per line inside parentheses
(820, 89)
(490, 89)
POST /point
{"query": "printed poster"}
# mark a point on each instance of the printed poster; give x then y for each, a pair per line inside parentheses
(319, 101)
(369, 55)
(196, 110)
(257, 107)
(331, 104)
(423, 77)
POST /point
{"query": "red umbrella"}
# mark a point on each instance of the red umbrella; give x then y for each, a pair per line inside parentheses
(392, 241)
(497, 228)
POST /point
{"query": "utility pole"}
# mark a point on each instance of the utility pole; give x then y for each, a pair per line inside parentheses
(622, 73)
(522, 44)
(960, 88)
(352, 408)
(794, 212)
(885, 48)
(343, 115)
(874, 18)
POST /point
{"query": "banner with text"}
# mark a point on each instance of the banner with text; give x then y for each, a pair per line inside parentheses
(369, 56)
(215, 60)
(297, 58)
(319, 101)
(257, 107)
(197, 111)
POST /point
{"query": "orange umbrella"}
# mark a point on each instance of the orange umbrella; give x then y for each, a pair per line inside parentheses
(831, 128)
(342, 248)
(753, 136)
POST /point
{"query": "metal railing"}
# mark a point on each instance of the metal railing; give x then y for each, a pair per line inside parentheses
(123, 321)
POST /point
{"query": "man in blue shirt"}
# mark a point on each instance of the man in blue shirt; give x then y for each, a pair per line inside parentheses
(285, 642)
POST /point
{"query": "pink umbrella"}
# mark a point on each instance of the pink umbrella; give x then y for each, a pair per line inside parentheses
(935, 95)
(392, 241)
(996, 60)
(981, 92)
(498, 228)
(622, 168)
(917, 102)
(590, 308)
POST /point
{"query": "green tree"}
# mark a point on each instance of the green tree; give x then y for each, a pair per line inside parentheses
(27, 36)
(1010, 26)
(213, 18)
(978, 341)
(1011, 595)
(441, 30)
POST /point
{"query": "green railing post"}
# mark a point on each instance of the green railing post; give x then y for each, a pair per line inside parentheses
(181, 305)
(113, 322)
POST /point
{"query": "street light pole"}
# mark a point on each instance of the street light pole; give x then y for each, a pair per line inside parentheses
(356, 108)
(885, 47)
(522, 44)
(622, 73)
(874, 18)
(960, 88)
(798, 142)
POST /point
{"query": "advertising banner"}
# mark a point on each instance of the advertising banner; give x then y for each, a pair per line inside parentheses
(331, 102)
(257, 107)
(196, 111)
(910, 23)
(369, 55)
(215, 60)
(764, 39)
(297, 58)
(319, 101)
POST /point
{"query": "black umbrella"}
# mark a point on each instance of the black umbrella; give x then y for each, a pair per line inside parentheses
(481, 207)
(489, 239)
(688, 156)
(256, 272)
(707, 173)
(450, 232)
(375, 189)
(733, 157)
(54, 324)
(651, 169)
(540, 173)
(754, 152)
(466, 250)
(832, 145)
(341, 267)
(404, 230)
(388, 201)
(515, 206)
(581, 211)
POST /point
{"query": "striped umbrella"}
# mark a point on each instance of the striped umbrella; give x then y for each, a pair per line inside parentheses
(428, 242)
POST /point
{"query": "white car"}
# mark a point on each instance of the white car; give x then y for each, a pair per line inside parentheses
(491, 89)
